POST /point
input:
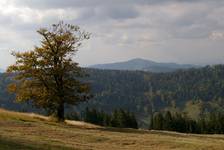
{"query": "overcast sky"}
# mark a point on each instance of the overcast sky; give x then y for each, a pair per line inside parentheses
(181, 31)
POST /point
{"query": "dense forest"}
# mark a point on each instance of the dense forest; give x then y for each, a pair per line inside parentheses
(208, 123)
(118, 118)
(193, 92)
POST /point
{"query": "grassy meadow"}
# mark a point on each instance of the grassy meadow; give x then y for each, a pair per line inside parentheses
(30, 131)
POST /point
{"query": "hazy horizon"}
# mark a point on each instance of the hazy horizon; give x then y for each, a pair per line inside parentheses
(177, 31)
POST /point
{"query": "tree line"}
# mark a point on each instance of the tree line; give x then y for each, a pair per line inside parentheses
(210, 123)
(118, 118)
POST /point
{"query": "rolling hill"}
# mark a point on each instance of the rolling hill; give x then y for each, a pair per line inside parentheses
(143, 65)
(26, 131)
(193, 91)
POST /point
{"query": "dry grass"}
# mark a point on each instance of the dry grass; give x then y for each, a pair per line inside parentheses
(30, 131)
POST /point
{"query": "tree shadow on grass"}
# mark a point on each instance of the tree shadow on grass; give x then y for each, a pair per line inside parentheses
(7, 144)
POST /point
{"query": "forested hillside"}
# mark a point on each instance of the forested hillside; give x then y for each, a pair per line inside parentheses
(193, 91)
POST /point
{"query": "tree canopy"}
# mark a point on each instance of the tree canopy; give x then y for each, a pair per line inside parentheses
(47, 75)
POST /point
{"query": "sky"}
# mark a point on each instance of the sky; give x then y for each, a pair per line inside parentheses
(181, 31)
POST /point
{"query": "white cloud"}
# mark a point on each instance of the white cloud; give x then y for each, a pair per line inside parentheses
(215, 35)
(163, 30)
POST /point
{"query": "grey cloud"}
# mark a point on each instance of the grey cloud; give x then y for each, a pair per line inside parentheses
(124, 28)
(119, 12)
(46, 4)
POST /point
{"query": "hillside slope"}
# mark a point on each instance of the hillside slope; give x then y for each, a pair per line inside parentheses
(30, 131)
(195, 91)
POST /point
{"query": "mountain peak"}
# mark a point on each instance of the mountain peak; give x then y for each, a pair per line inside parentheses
(144, 65)
(140, 60)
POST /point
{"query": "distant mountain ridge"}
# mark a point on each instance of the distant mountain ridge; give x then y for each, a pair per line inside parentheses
(143, 65)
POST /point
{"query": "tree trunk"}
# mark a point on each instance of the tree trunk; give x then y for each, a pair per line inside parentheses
(60, 112)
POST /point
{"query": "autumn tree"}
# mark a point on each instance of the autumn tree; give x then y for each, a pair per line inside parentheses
(47, 75)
